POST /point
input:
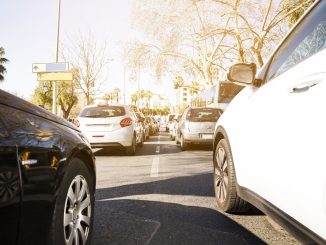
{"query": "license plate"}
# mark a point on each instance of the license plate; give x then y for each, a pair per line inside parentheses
(206, 136)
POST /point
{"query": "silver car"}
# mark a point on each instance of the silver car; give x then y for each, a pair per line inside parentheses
(196, 126)
(111, 126)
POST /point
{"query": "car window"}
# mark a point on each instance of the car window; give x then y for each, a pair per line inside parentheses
(307, 39)
(105, 111)
(203, 115)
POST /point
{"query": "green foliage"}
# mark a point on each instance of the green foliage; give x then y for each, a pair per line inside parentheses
(3, 60)
(42, 95)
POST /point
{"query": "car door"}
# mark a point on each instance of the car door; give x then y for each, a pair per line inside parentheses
(10, 186)
(39, 152)
(287, 126)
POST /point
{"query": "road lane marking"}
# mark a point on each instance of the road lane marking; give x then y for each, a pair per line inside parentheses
(157, 149)
(155, 165)
(158, 225)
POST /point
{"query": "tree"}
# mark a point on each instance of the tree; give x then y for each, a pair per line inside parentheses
(42, 95)
(85, 55)
(3, 60)
(293, 16)
(148, 96)
(256, 27)
(67, 96)
(178, 35)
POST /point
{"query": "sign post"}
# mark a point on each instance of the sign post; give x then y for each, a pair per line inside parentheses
(52, 72)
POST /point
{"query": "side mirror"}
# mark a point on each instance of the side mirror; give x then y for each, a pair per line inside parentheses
(242, 73)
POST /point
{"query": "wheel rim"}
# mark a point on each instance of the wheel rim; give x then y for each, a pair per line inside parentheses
(221, 178)
(77, 212)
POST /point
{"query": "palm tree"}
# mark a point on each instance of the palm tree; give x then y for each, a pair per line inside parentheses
(2, 61)
(148, 96)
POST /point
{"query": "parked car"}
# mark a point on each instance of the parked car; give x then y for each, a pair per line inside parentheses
(144, 125)
(174, 126)
(152, 125)
(155, 124)
(170, 119)
(197, 125)
(111, 126)
(268, 144)
(47, 177)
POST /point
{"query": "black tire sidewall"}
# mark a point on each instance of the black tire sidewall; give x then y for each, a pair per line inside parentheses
(231, 187)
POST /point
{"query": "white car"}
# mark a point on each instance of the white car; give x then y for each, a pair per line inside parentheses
(269, 144)
(110, 126)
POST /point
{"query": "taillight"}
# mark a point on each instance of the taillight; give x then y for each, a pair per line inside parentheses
(126, 122)
(76, 122)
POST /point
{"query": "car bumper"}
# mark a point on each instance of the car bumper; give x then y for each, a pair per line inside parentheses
(118, 138)
(198, 138)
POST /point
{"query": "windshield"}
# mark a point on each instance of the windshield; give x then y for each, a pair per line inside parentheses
(203, 115)
(103, 111)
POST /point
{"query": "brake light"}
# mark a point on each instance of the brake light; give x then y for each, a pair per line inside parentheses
(76, 122)
(126, 122)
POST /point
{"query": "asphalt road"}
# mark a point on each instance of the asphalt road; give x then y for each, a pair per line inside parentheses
(165, 196)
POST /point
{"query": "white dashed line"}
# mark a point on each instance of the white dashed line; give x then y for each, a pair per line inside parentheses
(155, 164)
(156, 159)
(157, 149)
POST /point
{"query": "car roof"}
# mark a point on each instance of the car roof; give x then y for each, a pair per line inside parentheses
(23, 105)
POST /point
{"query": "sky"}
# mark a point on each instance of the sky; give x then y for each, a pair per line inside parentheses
(29, 32)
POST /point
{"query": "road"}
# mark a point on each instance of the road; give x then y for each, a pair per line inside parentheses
(165, 196)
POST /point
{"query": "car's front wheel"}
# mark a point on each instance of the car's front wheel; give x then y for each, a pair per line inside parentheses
(73, 216)
(225, 181)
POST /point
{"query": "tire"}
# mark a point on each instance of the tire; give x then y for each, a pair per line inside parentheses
(131, 150)
(142, 140)
(76, 211)
(177, 141)
(225, 181)
(183, 144)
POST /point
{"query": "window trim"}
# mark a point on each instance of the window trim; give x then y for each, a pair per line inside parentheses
(266, 68)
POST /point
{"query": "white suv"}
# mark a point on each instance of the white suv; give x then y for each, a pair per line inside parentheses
(269, 144)
(110, 126)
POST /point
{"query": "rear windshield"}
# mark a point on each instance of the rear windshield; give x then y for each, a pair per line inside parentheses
(103, 111)
(203, 115)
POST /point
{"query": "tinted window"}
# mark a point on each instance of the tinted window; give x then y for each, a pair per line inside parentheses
(306, 40)
(103, 111)
(203, 115)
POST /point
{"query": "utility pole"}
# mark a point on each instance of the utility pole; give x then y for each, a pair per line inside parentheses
(54, 97)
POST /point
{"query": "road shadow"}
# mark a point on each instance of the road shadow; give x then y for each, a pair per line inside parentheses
(150, 222)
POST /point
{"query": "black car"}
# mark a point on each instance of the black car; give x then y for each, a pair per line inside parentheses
(47, 177)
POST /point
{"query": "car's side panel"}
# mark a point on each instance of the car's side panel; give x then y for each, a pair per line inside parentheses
(10, 186)
(44, 149)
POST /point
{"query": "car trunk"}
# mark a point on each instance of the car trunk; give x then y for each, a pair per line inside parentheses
(107, 124)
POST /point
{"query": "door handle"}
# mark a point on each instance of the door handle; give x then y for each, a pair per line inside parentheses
(305, 86)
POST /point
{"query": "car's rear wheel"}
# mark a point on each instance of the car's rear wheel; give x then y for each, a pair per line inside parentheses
(131, 150)
(225, 181)
(141, 143)
(72, 221)
(183, 144)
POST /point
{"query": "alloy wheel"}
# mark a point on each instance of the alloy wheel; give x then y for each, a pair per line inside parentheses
(77, 212)
(221, 178)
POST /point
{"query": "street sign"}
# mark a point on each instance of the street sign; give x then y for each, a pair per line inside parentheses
(54, 76)
(50, 67)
